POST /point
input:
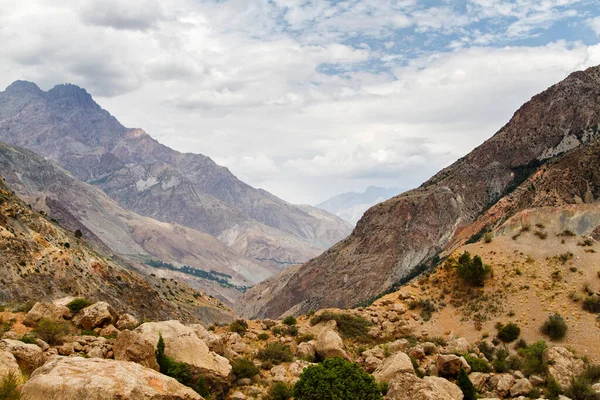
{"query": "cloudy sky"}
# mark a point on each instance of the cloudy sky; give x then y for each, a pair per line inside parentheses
(306, 98)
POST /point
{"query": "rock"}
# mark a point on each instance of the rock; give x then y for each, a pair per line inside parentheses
(244, 382)
(279, 373)
(11, 335)
(376, 351)
(66, 349)
(109, 331)
(76, 378)
(45, 310)
(329, 344)
(8, 364)
(372, 363)
(479, 380)
(297, 367)
(41, 344)
(522, 387)
(537, 380)
(306, 350)
(409, 387)
(398, 345)
(596, 388)
(96, 352)
(131, 346)
(501, 383)
(28, 356)
(398, 363)
(238, 396)
(450, 365)
(127, 321)
(98, 315)
(182, 343)
(212, 340)
(235, 343)
(458, 346)
(563, 366)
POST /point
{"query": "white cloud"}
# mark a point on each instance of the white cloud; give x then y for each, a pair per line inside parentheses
(594, 23)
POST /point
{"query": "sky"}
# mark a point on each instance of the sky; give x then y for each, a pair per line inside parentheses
(306, 98)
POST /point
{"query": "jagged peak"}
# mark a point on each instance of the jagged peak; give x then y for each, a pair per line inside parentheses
(73, 94)
(23, 86)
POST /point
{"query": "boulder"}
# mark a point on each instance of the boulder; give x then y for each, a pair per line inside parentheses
(131, 346)
(8, 364)
(28, 356)
(329, 344)
(501, 383)
(306, 350)
(563, 366)
(98, 315)
(182, 343)
(109, 330)
(522, 387)
(127, 321)
(398, 363)
(458, 346)
(212, 340)
(409, 387)
(479, 380)
(450, 365)
(45, 310)
(75, 378)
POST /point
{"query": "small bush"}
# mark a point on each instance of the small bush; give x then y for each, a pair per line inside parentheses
(472, 270)
(263, 336)
(28, 338)
(349, 326)
(553, 389)
(244, 368)
(477, 364)
(466, 386)
(239, 326)
(500, 364)
(541, 235)
(290, 321)
(336, 378)
(488, 237)
(280, 391)
(51, 331)
(276, 353)
(555, 327)
(78, 304)
(533, 358)
(8, 387)
(509, 332)
(581, 389)
(592, 304)
(304, 338)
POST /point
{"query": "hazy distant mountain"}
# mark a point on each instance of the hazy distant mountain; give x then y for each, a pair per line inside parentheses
(351, 206)
(143, 176)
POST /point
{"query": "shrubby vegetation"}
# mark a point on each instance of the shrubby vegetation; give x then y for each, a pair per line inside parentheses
(77, 305)
(280, 391)
(244, 368)
(276, 353)
(51, 331)
(555, 327)
(466, 386)
(8, 387)
(471, 269)
(336, 378)
(509, 332)
(238, 326)
(349, 326)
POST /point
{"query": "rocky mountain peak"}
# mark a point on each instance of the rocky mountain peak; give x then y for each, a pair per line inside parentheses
(23, 86)
(70, 95)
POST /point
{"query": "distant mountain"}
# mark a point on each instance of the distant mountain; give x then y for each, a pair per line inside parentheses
(143, 176)
(41, 261)
(547, 155)
(351, 206)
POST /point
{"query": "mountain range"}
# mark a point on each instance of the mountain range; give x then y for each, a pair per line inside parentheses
(351, 206)
(546, 155)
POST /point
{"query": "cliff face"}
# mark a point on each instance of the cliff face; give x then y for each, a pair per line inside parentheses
(143, 176)
(394, 237)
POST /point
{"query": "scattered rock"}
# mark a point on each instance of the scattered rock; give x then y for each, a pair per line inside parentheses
(398, 363)
(409, 387)
(450, 365)
(127, 321)
(98, 315)
(563, 366)
(329, 344)
(522, 387)
(28, 356)
(131, 346)
(501, 383)
(306, 350)
(45, 310)
(109, 330)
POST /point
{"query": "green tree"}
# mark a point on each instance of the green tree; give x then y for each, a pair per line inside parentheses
(465, 384)
(336, 378)
(472, 270)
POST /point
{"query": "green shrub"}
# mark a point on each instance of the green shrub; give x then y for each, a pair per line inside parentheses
(349, 326)
(555, 327)
(78, 304)
(509, 332)
(553, 389)
(305, 338)
(533, 358)
(51, 331)
(592, 304)
(28, 338)
(8, 387)
(244, 368)
(472, 270)
(239, 326)
(581, 389)
(477, 364)
(280, 391)
(500, 364)
(276, 353)
(488, 237)
(263, 336)
(466, 386)
(336, 378)
(291, 320)
(384, 387)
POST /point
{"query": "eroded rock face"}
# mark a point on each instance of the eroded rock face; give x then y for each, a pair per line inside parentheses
(45, 310)
(28, 356)
(76, 378)
(98, 315)
(409, 387)
(182, 343)
(563, 366)
(131, 346)
(398, 363)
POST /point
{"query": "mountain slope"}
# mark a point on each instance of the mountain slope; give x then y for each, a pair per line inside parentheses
(42, 261)
(351, 206)
(66, 125)
(397, 236)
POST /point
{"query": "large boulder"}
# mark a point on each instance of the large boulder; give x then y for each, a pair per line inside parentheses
(183, 345)
(329, 344)
(563, 366)
(502, 383)
(98, 315)
(131, 346)
(211, 339)
(450, 365)
(398, 363)
(45, 310)
(8, 364)
(409, 387)
(127, 321)
(522, 387)
(75, 378)
(28, 356)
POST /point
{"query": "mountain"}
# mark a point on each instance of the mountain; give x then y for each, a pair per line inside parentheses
(43, 261)
(143, 176)
(351, 206)
(79, 206)
(545, 156)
